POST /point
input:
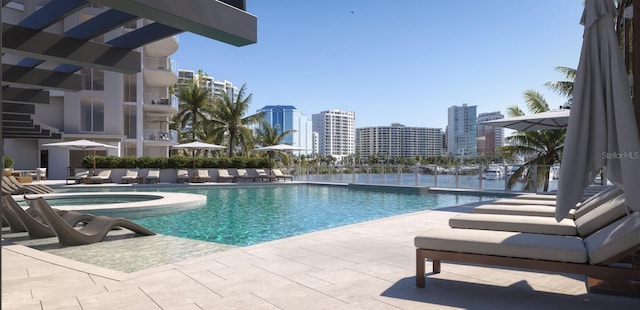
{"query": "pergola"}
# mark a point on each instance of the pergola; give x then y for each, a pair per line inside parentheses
(42, 61)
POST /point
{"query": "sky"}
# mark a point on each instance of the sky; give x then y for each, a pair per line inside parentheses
(396, 61)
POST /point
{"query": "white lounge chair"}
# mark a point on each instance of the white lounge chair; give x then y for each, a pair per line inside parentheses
(101, 177)
(182, 176)
(223, 176)
(130, 177)
(281, 176)
(203, 175)
(153, 176)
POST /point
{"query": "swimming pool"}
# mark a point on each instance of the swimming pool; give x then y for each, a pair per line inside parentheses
(246, 215)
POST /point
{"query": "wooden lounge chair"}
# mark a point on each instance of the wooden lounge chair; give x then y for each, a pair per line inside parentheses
(101, 177)
(605, 257)
(36, 227)
(203, 175)
(182, 175)
(244, 175)
(223, 175)
(263, 176)
(78, 177)
(281, 176)
(153, 176)
(130, 177)
(94, 231)
(584, 225)
(549, 211)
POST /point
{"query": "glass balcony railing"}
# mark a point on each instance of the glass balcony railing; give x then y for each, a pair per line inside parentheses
(161, 135)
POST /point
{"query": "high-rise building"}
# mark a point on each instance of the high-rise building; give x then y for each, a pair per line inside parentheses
(398, 141)
(216, 87)
(113, 88)
(490, 139)
(287, 117)
(462, 131)
(336, 133)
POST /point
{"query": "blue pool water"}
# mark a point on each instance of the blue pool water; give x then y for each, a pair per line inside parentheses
(254, 214)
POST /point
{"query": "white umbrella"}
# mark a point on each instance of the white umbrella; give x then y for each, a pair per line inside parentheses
(82, 144)
(197, 145)
(554, 119)
(281, 147)
(602, 129)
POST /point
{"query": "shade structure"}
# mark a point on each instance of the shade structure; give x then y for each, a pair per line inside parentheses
(602, 130)
(82, 144)
(281, 147)
(554, 119)
(197, 145)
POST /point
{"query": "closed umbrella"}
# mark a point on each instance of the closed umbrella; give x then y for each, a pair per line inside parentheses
(82, 144)
(197, 145)
(602, 130)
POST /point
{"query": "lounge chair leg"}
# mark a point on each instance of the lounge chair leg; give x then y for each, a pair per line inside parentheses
(436, 265)
(420, 279)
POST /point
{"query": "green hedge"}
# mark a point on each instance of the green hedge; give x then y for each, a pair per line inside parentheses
(175, 162)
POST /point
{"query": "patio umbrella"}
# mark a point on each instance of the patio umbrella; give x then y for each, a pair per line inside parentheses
(82, 144)
(602, 130)
(197, 145)
(554, 119)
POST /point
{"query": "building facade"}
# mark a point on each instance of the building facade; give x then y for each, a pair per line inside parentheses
(490, 139)
(215, 87)
(113, 88)
(336, 133)
(462, 131)
(287, 117)
(398, 141)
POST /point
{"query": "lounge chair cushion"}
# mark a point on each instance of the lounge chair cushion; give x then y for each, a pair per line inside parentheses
(596, 200)
(502, 243)
(524, 209)
(517, 223)
(613, 239)
(514, 201)
(601, 216)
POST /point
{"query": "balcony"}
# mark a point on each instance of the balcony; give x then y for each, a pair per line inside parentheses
(160, 137)
(162, 105)
(162, 48)
(160, 72)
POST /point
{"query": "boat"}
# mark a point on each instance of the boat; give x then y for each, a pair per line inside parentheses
(493, 172)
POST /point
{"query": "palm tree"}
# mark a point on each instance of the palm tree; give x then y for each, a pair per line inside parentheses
(543, 148)
(195, 105)
(228, 120)
(268, 135)
(564, 88)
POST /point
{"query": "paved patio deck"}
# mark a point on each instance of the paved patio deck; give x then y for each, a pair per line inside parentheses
(362, 266)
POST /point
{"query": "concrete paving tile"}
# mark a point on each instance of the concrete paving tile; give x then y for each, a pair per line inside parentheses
(68, 303)
(295, 296)
(242, 301)
(369, 304)
(116, 300)
(21, 305)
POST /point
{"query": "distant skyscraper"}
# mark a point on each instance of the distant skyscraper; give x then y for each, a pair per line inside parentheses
(397, 141)
(216, 87)
(287, 117)
(490, 138)
(336, 133)
(462, 131)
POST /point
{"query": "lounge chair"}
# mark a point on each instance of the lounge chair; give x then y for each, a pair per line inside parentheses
(203, 175)
(101, 177)
(13, 187)
(584, 225)
(182, 176)
(549, 211)
(223, 175)
(281, 176)
(78, 177)
(130, 177)
(244, 175)
(36, 228)
(94, 231)
(603, 257)
(263, 176)
(514, 201)
(153, 176)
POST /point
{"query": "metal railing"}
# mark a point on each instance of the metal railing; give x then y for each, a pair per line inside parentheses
(161, 135)
(485, 177)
